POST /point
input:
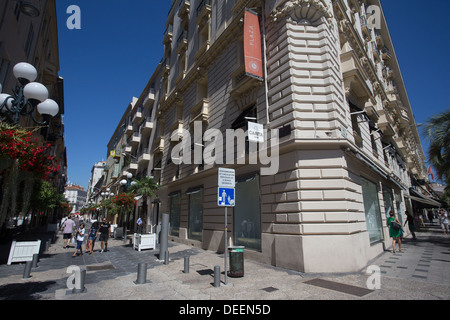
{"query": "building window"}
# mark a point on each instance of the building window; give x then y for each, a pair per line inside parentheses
(247, 213)
(29, 42)
(195, 226)
(174, 213)
(372, 210)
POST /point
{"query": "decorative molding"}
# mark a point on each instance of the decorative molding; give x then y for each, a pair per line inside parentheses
(294, 9)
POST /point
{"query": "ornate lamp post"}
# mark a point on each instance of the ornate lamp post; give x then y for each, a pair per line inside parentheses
(27, 96)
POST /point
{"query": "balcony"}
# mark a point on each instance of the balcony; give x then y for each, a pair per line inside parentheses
(404, 117)
(365, 28)
(138, 115)
(386, 54)
(147, 126)
(144, 156)
(135, 138)
(182, 42)
(200, 112)
(378, 38)
(203, 11)
(177, 131)
(168, 35)
(149, 99)
(166, 67)
(129, 130)
(185, 8)
(159, 145)
(131, 167)
(385, 123)
(375, 52)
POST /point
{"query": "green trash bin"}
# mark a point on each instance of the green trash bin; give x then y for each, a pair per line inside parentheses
(236, 254)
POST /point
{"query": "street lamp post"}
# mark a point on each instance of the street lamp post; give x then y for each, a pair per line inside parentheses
(27, 97)
(106, 195)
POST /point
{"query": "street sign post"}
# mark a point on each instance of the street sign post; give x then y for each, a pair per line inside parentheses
(226, 198)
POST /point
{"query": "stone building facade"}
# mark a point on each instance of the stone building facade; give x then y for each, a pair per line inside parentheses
(340, 125)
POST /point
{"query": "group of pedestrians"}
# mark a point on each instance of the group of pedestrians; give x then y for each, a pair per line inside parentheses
(70, 230)
(396, 230)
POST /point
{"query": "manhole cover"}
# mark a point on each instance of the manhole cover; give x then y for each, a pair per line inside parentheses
(97, 268)
(341, 287)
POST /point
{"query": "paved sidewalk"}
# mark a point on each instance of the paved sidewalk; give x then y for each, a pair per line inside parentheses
(420, 272)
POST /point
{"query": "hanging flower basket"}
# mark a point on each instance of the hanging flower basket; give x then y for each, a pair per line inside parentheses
(17, 143)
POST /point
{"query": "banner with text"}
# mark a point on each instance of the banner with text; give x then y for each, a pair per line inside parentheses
(252, 45)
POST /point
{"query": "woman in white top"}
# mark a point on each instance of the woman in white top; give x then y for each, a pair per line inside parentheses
(80, 239)
(443, 219)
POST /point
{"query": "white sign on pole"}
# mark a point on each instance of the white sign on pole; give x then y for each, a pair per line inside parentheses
(226, 178)
(255, 132)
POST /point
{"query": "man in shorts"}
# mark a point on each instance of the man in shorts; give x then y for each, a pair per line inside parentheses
(68, 229)
(105, 230)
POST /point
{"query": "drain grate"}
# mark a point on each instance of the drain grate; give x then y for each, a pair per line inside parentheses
(341, 287)
(97, 268)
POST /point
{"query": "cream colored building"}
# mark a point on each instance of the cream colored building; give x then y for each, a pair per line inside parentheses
(29, 33)
(349, 149)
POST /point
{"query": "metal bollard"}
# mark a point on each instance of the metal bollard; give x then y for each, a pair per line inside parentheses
(46, 245)
(35, 260)
(186, 264)
(141, 274)
(217, 276)
(79, 283)
(27, 270)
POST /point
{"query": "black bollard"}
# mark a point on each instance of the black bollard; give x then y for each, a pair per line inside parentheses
(186, 264)
(35, 260)
(217, 276)
(141, 274)
(27, 269)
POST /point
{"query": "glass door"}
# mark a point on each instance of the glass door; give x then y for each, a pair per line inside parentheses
(247, 213)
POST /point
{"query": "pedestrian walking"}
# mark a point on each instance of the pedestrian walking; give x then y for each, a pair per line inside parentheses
(411, 226)
(105, 230)
(139, 225)
(422, 224)
(80, 238)
(68, 228)
(395, 231)
(443, 220)
(92, 236)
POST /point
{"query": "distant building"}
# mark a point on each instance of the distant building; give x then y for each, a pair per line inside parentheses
(96, 174)
(76, 195)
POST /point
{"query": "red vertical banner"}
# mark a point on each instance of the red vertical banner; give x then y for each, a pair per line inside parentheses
(252, 45)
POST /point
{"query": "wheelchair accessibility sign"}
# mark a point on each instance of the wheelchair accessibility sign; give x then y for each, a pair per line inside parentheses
(226, 197)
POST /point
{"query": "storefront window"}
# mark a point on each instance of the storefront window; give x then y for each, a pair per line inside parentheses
(174, 217)
(388, 201)
(372, 210)
(195, 213)
(247, 213)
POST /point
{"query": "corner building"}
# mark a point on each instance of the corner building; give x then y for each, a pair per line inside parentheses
(349, 149)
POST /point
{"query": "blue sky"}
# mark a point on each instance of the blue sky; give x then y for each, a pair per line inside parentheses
(112, 57)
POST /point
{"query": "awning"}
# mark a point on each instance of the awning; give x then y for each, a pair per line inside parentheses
(424, 202)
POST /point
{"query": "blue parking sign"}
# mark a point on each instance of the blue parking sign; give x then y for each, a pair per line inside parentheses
(225, 197)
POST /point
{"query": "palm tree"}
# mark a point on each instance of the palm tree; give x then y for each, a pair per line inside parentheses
(146, 187)
(437, 130)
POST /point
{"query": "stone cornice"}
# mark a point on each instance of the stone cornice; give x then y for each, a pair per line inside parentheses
(289, 6)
